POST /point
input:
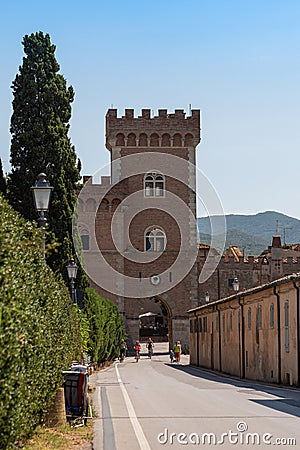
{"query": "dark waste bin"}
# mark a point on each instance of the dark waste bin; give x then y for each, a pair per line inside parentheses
(76, 393)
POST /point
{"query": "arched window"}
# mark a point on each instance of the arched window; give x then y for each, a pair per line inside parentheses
(104, 205)
(120, 139)
(85, 238)
(188, 140)
(154, 140)
(115, 203)
(177, 140)
(155, 240)
(143, 140)
(131, 140)
(165, 141)
(90, 205)
(154, 185)
(80, 205)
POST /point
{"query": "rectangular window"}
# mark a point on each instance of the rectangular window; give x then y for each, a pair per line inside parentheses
(200, 324)
(259, 317)
(85, 240)
(229, 282)
(192, 322)
(223, 328)
(159, 191)
(249, 318)
(149, 190)
(286, 327)
(272, 315)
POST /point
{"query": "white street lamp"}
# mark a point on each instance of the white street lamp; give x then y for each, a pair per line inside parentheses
(41, 194)
(207, 297)
(236, 284)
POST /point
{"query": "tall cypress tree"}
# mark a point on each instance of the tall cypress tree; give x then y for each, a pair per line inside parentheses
(40, 143)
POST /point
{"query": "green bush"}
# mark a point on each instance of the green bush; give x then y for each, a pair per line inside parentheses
(106, 324)
(39, 331)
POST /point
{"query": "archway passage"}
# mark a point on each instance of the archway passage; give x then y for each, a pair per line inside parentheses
(155, 321)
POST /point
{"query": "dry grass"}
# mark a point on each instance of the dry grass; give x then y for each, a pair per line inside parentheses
(62, 438)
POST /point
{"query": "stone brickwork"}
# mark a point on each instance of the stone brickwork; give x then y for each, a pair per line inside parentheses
(167, 134)
(251, 271)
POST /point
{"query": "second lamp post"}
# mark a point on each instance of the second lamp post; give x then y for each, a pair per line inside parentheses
(72, 274)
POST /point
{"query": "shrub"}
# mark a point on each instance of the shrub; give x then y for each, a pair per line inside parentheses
(39, 332)
(107, 328)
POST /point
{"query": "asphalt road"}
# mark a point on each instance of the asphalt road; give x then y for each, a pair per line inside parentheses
(154, 404)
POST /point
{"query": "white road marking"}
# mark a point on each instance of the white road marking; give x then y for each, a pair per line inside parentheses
(132, 416)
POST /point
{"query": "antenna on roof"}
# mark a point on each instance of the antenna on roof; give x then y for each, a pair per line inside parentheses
(112, 106)
(190, 109)
(284, 234)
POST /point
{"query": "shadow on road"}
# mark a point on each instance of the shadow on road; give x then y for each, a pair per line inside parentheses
(289, 401)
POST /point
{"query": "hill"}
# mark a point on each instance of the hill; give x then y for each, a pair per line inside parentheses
(253, 233)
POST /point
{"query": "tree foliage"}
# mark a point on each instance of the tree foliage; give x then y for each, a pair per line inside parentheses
(40, 142)
(39, 330)
(107, 328)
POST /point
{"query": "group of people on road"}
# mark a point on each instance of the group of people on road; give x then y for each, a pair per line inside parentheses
(175, 352)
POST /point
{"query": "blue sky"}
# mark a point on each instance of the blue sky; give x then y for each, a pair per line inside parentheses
(238, 61)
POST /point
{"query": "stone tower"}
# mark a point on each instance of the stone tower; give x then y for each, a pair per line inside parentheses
(145, 222)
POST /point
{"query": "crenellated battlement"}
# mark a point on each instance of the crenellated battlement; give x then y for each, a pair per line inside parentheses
(164, 130)
(256, 263)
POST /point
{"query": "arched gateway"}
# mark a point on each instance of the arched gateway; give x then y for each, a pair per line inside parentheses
(142, 232)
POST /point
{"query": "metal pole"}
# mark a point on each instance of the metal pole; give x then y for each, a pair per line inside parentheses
(72, 289)
(42, 224)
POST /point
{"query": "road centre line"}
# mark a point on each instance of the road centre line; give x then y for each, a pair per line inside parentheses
(143, 443)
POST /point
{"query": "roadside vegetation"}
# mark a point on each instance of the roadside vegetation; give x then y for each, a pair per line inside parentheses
(62, 438)
(41, 331)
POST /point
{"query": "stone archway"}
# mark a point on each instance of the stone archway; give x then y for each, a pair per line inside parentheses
(155, 320)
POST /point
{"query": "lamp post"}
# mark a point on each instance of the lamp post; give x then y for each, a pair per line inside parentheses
(72, 274)
(236, 285)
(41, 195)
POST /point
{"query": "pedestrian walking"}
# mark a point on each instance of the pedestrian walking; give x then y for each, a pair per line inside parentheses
(171, 355)
(177, 351)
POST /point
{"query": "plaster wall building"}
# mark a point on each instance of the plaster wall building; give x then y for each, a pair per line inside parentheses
(254, 334)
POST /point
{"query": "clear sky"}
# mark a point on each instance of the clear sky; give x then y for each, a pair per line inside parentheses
(236, 60)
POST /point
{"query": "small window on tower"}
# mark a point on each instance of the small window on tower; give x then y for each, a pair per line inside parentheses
(154, 185)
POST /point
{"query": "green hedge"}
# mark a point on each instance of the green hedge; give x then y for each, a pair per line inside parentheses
(39, 332)
(106, 324)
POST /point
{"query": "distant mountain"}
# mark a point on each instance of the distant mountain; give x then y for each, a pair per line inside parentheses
(253, 233)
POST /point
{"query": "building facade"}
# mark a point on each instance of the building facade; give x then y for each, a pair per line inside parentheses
(254, 334)
(275, 262)
(138, 226)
